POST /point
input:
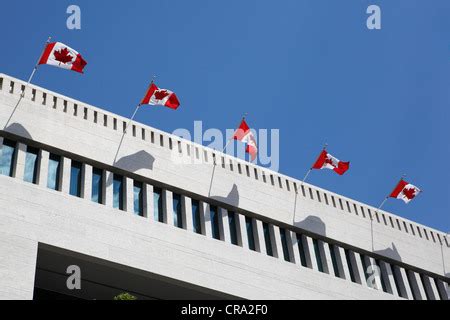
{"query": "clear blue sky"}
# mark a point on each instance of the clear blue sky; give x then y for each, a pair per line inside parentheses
(310, 68)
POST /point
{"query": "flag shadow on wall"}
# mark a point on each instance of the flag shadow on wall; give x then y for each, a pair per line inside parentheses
(232, 198)
(136, 161)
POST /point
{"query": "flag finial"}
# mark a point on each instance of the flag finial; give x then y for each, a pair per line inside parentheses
(245, 115)
(325, 146)
(153, 78)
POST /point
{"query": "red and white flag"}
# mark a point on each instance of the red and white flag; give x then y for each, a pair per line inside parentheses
(161, 97)
(244, 134)
(405, 191)
(327, 161)
(59, 55)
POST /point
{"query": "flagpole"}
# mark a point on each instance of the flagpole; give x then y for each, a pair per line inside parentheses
(124, 132)
(310, 169)
(128, 124)
(22, 95)
(223, 150)
(387, 197)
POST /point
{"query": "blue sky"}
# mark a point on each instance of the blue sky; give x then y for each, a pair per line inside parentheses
(310, 68)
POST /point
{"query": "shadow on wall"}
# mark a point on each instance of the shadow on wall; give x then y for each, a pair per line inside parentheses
(313, 224)
(18, 129)
(390, 252)
(232, 198)
(136, 161)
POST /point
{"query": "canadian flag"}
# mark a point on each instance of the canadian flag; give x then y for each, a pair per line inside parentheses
(405, 191)
(327, 161)
(59, 55)
(244, 134)
(162, 97)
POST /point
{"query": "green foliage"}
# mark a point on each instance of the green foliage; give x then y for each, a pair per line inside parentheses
(125, 296)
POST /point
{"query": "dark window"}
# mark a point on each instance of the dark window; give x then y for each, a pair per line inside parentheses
(318, 256)
(441, 295)
(267, 239)
(411, 280)
(349, 265)
(54, 166)
(334, 260)
(383, 284)
(31, 165)
(75, 179)
(214, 222)
(396, 281)
(7, 157)
(138, 199)
(250, 234)
(364, 265)
(118, 192)
(284, 244)
(196, 217)
(177, 216)
(232, 224)
(301, 249)
(97, 185)
(157, 205)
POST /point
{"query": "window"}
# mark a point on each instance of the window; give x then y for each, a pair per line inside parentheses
(75, 179)
(7, 157)
(364, 265)
(397, 282)
(138, 199)
(177, 216)
(118, 192)
(412, 284)
(97, 185)
(157, 203)
(334, 260)
(214, 222)
(301, 249)
(284, 244)
(267, 239)
(250, 234)
(232, 224)
(318, 256)
(350, 266)
(196, 217)
(54, 166)
(383, 285)
(31, 165)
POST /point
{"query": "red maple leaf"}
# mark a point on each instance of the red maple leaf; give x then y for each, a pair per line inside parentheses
(330, 162)
(409, 193)
(161, 94)
(63, 56)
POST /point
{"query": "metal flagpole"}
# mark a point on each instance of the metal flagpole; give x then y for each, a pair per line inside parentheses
(124, 132)
(379, 208)
(310, 169)
(303, 181)
(28, 83)
(387, 197)
(128, 124)
(223, 150)
(382, 203)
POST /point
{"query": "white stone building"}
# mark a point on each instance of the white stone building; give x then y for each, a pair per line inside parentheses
(145, 224)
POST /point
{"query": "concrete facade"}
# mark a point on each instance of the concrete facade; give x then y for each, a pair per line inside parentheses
(413, 258)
